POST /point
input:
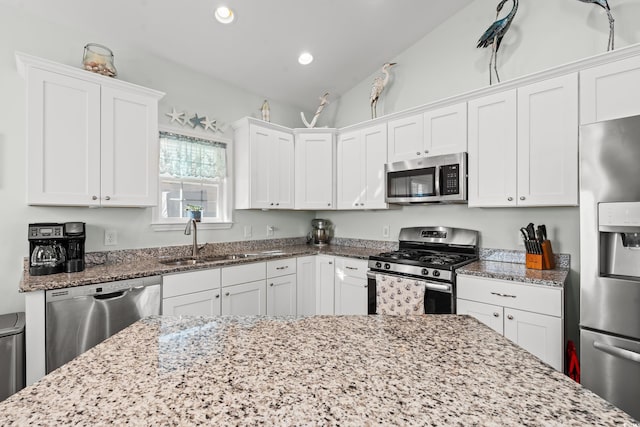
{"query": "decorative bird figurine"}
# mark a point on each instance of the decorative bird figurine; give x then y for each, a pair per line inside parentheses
(494, 35)
(323, 102)
(378, 86)
(605, 5)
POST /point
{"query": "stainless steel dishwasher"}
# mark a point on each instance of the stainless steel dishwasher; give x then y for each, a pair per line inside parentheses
(78, 318)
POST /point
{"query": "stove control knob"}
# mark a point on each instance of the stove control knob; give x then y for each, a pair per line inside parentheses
(378, 264)
(425, 272)
(387, 266)
(436, 273)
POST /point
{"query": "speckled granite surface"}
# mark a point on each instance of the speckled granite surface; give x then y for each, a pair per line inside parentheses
(121, 265)
(515, 272)
(322, 370)
(519, 257)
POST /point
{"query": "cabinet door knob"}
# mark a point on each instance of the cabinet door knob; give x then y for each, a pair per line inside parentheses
(270, 284)
(510, 317)
(418, 153)
(107, 198)
(361, 204)
(217, 295)
(496, 314)
(330, 263)
(94, 198)
(522, 197)
(426, 151)
(227, 294)
(277, 204)
(270, 204)
(328, 204)
(355, 204)
(510, 198)
(366, 286)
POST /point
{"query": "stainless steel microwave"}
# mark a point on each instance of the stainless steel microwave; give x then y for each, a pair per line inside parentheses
(437, 179)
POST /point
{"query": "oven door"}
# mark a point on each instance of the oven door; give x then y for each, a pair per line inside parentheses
(438, 297)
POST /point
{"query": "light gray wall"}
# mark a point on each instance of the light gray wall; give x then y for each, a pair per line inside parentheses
(185, 90)
(544, 34)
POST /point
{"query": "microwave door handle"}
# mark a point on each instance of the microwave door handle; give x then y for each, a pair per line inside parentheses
(439, 180)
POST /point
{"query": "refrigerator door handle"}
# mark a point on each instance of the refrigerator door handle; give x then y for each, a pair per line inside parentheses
(617, 351)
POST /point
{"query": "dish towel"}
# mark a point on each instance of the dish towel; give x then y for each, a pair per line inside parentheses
(399, 295)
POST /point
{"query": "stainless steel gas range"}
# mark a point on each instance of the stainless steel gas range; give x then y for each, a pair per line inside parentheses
(430, 255)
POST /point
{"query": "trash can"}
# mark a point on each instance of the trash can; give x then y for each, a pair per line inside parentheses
(12, 368)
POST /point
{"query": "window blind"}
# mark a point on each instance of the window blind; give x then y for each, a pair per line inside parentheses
(188, 157)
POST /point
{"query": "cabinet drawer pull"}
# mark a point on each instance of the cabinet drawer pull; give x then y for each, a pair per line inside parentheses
(282, 268)
(503, 295)
(510, 317)
(496, 314)
(351, 268)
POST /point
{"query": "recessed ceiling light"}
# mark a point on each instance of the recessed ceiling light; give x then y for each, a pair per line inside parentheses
(224, 15)
(305, 58)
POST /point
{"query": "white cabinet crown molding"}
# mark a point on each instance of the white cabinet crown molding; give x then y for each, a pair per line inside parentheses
(25, 61)
(571, 67)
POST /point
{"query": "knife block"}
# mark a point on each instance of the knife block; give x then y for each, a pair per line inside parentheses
(544, 261)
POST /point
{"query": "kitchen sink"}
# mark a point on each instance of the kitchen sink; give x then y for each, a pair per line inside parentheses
(215, 258)
(178, 262)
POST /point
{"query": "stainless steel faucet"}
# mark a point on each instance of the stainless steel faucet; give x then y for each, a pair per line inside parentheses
(187, 231)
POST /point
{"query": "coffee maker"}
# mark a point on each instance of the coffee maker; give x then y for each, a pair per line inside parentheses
(321, 233)
(74, 233)
(56, 248)
(47, 252)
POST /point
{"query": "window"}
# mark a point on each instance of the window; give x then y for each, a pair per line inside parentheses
(193, 172)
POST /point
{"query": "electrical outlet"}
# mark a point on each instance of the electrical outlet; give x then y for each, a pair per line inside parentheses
(110, 237)
(385, 231)
(270, 230)
(247, 231)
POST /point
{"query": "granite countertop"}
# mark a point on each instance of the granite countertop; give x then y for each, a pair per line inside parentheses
(515, 272)
(319, 370)
(144, 266)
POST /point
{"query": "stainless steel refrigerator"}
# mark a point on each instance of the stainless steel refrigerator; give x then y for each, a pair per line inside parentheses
(610, 261)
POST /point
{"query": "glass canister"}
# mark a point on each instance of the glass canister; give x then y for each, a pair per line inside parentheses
(99, 59)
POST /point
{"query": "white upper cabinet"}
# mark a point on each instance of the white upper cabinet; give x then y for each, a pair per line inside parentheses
(91, 140)
(432, 133)
(610, 91)
(445, 130)
(264, 165)
(405, 138)
(523, 146)
(492, 150)
(315, 170)
(548, 142)
(362, 155)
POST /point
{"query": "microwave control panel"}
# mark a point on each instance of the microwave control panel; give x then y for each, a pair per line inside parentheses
(450, 180)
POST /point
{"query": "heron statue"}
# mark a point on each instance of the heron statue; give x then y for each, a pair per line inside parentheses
(378, 86)
(605, 5)
(494, 34)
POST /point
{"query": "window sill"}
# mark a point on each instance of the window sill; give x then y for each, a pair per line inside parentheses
(201, 226)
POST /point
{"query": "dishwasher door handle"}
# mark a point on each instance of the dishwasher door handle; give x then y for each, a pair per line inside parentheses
(110, 296)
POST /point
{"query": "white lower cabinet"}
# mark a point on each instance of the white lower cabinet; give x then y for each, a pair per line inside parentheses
(246, 299)
(325, 271)
(306, 285)
(281, 287)
(529, 315)
(195, 293)
(244, 289)
(350, 286)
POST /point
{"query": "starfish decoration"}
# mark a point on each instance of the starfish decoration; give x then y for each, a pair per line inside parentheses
(195, 121)
(209, 124)
(176, 117)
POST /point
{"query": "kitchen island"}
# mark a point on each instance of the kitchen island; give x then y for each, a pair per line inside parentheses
(319, 370)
